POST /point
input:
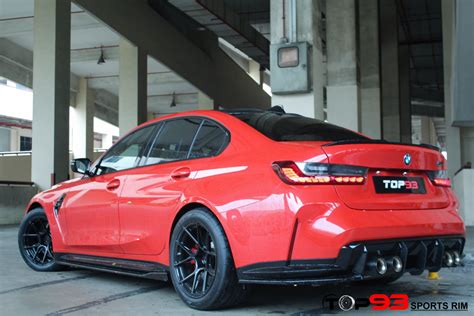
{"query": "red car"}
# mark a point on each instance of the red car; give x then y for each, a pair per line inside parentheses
(217, 201)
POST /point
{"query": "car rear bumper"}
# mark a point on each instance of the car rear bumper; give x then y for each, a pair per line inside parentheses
(355, 261)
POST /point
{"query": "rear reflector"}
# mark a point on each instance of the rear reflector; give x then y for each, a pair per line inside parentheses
(439, 178)
(319, 173)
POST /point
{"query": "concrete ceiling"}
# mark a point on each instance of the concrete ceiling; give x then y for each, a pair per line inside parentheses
(88, 37)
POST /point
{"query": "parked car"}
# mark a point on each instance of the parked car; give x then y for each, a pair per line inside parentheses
(218, 201)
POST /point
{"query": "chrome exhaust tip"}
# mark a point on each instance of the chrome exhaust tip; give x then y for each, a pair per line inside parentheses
(397, 264)
(456, 258)
(381, 266)
(448, 259)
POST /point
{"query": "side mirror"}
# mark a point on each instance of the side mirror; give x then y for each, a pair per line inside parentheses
(81, 165)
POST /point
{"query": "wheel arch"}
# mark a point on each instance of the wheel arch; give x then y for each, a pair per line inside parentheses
(33, 206)
(193, 205)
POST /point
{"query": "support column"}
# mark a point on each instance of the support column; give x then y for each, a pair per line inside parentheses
(51, 88)
(83, 128)
(369, 69)
(453, 134)
(343, 99)
(133, 86)
(304, 25)
(388, 18)
(427, 131)
(405, 98)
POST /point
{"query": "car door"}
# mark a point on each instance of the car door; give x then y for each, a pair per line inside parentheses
(92, 205)
(152, 193)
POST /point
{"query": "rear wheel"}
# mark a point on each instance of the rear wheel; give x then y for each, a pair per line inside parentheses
(35, 243)
(201, 265)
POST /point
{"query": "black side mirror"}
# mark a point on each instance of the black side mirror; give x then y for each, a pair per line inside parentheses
(80, 165)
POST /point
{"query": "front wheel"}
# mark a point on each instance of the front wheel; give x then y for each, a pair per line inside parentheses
(201, 265)
(35, 243)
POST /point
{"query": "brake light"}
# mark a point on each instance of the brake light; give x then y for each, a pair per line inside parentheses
(439, 178)
(319, 173)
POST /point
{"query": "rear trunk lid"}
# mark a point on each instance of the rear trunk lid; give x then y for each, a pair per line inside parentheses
(392, 167)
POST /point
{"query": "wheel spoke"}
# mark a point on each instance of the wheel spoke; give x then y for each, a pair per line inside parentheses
(32, 246)
(196, 280)
(191, 236)
(188, 277)
(50, 255)
(36, 253)
(30, 235)
(204, 281)
(186, 249)
(177, 264)
(45, 254)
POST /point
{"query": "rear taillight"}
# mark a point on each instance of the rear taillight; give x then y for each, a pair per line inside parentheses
(319, 173)
(439, 178)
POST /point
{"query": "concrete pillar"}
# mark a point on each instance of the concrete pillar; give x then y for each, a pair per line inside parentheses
(204, 102)
(404, 90)
(343, 107)
(133, 86)
(308, 28)
(389, 70)
(453, 137)
(107, 141)
(51, 68)
(427, 131)
(83, 128)
(369, 69)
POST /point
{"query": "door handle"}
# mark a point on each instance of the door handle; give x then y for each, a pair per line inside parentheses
(181, 173)
(113, 185)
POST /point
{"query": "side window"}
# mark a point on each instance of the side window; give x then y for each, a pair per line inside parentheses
(210, 140)
(173, 141)
(126, 153)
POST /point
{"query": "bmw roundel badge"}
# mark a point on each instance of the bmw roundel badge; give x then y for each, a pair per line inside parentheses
(407, 159)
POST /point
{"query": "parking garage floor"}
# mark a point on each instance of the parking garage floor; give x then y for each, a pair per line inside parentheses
(81, 292)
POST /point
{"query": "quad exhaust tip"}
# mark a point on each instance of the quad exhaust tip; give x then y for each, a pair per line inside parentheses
(397, 264)
(452, 258)
(448, 259)
(381, 266)
(457, 258)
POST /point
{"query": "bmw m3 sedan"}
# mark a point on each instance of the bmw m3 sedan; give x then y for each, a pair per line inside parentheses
(219, 200)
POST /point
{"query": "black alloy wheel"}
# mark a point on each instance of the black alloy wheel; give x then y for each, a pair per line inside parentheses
(201, 266)
(35, 242)
(195, 260)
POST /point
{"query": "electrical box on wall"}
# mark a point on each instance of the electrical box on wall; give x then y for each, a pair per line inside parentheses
(290, 68)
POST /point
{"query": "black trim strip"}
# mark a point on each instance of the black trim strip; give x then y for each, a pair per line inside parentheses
(145, 269)
(381, 142)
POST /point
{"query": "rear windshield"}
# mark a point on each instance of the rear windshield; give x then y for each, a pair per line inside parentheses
(294, 127)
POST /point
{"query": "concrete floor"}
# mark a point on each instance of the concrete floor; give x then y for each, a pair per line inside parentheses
(80, 292)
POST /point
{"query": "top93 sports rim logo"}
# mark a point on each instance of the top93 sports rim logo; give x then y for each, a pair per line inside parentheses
(375, 301)
(383, 302)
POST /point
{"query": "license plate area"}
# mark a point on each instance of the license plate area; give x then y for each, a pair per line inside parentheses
(410, 185)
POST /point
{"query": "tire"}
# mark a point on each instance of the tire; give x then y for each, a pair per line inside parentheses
(35, 243)
(213, 284)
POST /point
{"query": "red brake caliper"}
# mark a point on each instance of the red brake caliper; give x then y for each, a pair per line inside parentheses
(194, 250)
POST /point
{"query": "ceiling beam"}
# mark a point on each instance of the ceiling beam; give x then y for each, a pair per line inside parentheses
(16, 64)
(93, 53)
(24, 25)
